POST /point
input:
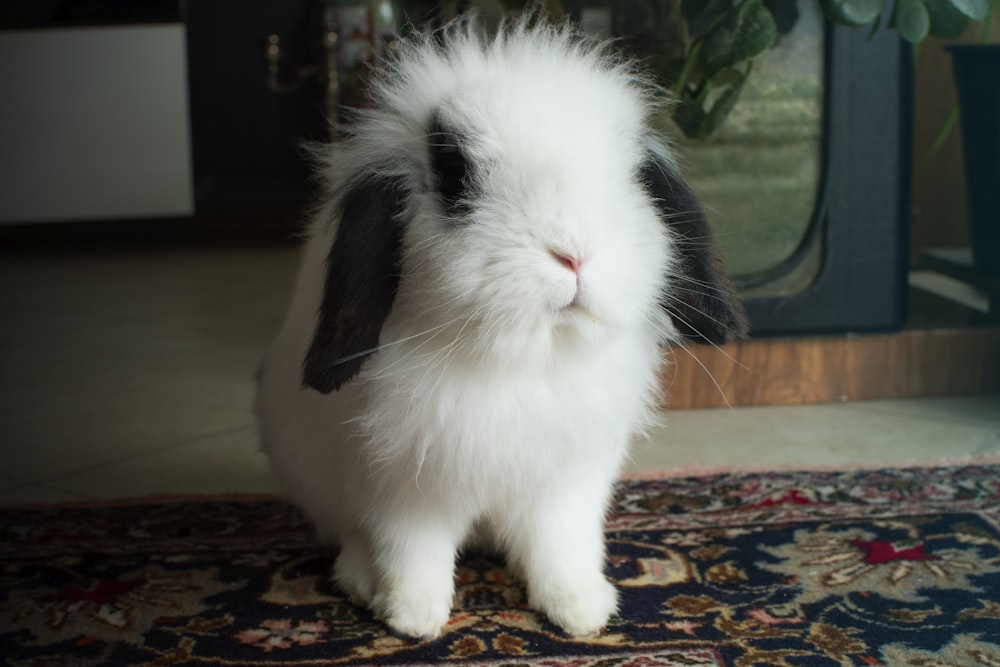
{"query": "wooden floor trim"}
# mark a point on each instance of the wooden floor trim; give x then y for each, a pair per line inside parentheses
(910, 364)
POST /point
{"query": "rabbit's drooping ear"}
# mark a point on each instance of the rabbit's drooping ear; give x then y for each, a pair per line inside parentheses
(362, 275)
(702, 301)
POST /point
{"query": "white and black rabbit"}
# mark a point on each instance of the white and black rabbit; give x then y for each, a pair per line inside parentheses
(476, 329)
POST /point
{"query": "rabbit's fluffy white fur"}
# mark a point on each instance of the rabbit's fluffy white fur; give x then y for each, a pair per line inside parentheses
(475, 331)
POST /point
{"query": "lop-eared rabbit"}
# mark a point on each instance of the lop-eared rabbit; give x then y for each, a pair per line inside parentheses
(504, 245)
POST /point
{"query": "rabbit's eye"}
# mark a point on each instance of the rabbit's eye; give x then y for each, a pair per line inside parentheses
(451, 169)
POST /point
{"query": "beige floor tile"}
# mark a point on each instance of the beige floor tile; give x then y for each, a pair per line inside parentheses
(78, 440)
(102, 394)
(73, 402)
(8, 483)
(228, 463)
(817, 435)
(30, 494)
(982, 410)
(236, 289)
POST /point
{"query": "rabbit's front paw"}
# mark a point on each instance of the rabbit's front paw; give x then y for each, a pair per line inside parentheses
(579, 608)
(414, 612)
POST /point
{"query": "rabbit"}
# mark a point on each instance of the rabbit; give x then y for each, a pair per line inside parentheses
(474, 336)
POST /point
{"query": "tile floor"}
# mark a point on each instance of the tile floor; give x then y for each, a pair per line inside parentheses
(129, 372)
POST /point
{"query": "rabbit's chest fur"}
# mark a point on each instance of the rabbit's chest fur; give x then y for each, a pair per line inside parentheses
(482, 434)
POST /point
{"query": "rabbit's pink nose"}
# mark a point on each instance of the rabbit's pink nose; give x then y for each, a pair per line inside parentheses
(569, 261)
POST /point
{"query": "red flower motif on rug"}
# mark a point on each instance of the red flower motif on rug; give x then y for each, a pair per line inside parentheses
(885, 552)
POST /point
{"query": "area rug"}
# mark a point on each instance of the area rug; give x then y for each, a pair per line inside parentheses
(887, 567)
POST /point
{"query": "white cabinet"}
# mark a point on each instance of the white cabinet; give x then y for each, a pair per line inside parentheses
(94, 124)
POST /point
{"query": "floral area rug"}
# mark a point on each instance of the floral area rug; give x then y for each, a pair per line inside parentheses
(889, 567)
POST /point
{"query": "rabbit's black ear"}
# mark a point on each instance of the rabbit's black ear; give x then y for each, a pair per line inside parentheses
(362, 275)
(700, 298)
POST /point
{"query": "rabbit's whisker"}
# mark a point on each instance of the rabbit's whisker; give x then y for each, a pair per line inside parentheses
(719, 348)
(382, 346)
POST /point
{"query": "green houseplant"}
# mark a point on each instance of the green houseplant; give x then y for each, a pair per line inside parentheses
(720, 39)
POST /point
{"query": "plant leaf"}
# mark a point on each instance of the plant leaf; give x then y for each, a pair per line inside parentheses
(757, 31)
(874, 27)
(723, 104)
(688, 116)
(852, 12)
(691, 70)
(946, 21)
(974, 9)
(742, 33)
(726, 77)
(910, 18)
(941, 138)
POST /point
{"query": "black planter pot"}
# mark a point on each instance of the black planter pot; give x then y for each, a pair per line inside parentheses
(977, 77)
